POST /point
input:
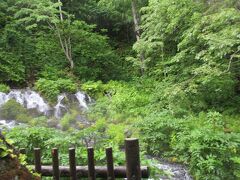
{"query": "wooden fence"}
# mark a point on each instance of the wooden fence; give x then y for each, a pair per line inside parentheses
(132, 170)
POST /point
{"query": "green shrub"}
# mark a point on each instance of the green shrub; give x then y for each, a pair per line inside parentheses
(116, 133)
(120, 101)
(24, 118)
(39, 121)
(94, 89)
(236, 161)
(206, 147)
(12, 110)
(47, 138)
(4, 88)
(156, 131)
(52, 88)
(202, 142)
(51, 73)
(68, 120)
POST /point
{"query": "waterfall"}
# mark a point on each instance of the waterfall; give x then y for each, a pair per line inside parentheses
(81, 97)
(27, 98)
(7, 124)
(35, 101)
(17, 95)
(32, 100)
(58, 108)
(2, 98)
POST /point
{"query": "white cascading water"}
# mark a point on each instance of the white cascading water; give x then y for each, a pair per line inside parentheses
(35, 101)
(2, 98)
(7, 124)
(32, 100)
(81, 97)
(27, 98)
(17, 95)
(58, 108)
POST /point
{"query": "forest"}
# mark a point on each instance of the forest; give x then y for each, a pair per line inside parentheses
(164, 71)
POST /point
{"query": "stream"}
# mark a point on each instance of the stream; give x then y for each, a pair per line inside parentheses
(170, 171)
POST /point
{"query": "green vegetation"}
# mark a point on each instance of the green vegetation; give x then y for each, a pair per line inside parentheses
(12, 110)
(4, 88)
(203, 142)
(52, 88)
(165, 71)
(46, 138)
(68, 120)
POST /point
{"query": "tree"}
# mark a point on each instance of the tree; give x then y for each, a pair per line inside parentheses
(65, 41)
(47, 15)
(194, 47)
(11, 65)
(131, 12)
(136, 19)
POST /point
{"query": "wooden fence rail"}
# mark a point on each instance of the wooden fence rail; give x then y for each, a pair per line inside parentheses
(132, 170)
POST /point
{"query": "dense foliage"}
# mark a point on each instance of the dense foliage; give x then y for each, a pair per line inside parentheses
(30, 42)
(4, 88)
(13, 110)
(46, 138)
(166, 71)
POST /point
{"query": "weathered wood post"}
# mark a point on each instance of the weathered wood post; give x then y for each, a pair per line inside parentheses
(55, 160)
(37, 160)
(22, 151)
(91, 164)
(132, 159)
(72, 164)
(110, 165)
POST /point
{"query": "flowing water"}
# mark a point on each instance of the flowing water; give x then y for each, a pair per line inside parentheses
(9, 124)
(31, 100)
(170, 171)
(82, 99)
(60, 107)
(27, 98)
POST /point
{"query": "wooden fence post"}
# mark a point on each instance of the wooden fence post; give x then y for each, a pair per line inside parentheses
(110, 165)
(72, 164)
(55, 160)
(91, 164)
(37, 160)
(22, 151)
(132, 170)
(132, 159)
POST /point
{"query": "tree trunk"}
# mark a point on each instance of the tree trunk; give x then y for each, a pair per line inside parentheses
(136, 19)
(65, 42)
